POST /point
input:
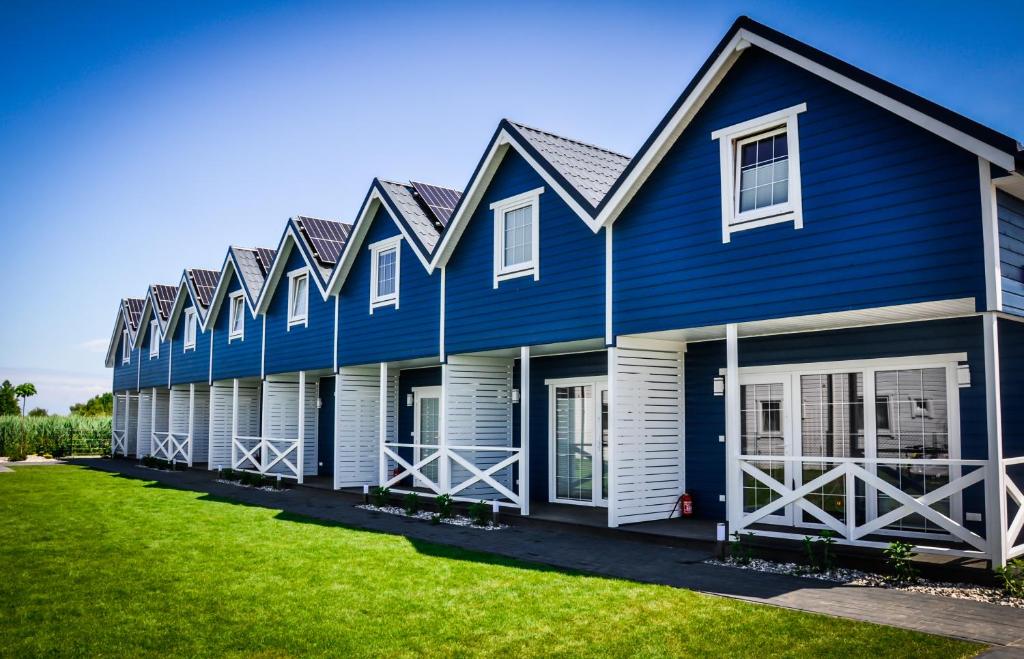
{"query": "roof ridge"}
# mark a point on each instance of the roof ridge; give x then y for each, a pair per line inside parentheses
(321, 219)
(435, 185)
(569, 139)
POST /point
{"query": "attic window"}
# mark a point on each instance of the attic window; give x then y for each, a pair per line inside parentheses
(298, 297)
(126, 350)
(385, 273)
(760, 172)
(190, 329)
(154, 340)
(517, 236)
(236, 317)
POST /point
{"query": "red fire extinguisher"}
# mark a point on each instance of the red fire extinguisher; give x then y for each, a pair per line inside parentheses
(685, 504)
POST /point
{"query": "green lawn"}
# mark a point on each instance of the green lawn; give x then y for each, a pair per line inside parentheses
(95, 564)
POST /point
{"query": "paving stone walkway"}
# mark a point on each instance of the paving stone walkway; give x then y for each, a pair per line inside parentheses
(599, 552)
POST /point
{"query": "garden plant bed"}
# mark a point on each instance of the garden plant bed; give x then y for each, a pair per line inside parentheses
(426, 515)
(262, 488)
(852, 577)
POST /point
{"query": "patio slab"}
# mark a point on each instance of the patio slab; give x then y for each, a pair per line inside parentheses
(623, 556)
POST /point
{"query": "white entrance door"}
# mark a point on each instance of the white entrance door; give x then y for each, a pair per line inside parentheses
(426, 430)
(578, 441)
(766, 431)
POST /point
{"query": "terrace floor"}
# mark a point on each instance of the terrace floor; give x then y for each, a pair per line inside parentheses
(544, 539)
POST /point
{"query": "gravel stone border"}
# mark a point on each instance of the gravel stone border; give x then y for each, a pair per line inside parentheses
(455, 520)
(261, 488)
(851, 577)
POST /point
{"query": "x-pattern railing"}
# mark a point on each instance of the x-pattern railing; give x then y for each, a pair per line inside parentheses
(486, 476)
(853, 470)
(406, 469)
(1015, 524)
(162, 445)
(118, 442)
(267, 455)
(179, 447)
(473, 473)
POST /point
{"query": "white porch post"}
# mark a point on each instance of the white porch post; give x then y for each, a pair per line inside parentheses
(524, 430)
(734, 495)
(299, 466)
(170, 424)
(613, 506)
(152, 422)
(382, 424)
(234, 421)
(336, 431)
(995, 490)
(191, 419)
(444, 470)
(127, 416)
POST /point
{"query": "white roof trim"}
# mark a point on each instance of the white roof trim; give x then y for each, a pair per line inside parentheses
(650, 159)
(148, 309)
(348, 256)
(457, 223)
(290, 240)
(120, 323)
(221, 291)
(179, 303)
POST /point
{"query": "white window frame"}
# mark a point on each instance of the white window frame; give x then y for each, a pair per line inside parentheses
(730, 140)
(233, 300)
(126, 350)
(154, 340)
(293, 277)
(190, 328)
(500, 208)
(599, 383)
(376, 249)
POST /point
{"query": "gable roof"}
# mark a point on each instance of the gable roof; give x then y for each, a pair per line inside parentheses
(157, 303)
(203, 283)
(317, 251)
(579, 173)
(250, 265)
(199, 285)
(420, 210)
(997, 148)
(128, 313)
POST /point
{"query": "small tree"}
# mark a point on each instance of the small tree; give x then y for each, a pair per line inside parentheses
(101, 405)
(8, 399)
(38, 411)
(24, 392)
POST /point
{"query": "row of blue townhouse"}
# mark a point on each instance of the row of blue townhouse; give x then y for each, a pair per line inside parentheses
(801, 302)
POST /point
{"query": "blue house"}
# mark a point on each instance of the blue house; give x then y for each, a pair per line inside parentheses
(389, 333)
(236, 336)
(154, 371)
(123, 357)
(299, 332)
(800, 303)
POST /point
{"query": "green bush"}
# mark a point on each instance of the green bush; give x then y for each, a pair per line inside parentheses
(411, 502)
(1012, 576)
(58, 436)
(898, 555)
(380, 496)
(480, 513)
(444, 505)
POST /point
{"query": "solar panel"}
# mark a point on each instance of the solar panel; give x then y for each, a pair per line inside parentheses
(327, 238)
(164, 298)
(265, 258)
(440, 201)
(134, 306)
(204, 282)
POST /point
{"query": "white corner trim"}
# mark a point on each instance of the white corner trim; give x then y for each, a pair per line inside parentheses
(608, 288)
(376, 249)
(441, 346)
(729, 141)
(990, 227)
(531, 199)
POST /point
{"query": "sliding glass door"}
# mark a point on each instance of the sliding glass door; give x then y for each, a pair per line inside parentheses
(578, 439)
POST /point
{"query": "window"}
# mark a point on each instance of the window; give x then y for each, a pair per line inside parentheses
(298, 298)
(760, 169)
(154, 340)
(236, 317)
(190, 329)
(770, 419)
(517, 236)
(385, 260)
(126, 350)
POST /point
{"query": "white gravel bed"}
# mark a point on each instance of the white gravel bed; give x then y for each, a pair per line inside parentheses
(455, 520)
(850, 577)
(262, 488)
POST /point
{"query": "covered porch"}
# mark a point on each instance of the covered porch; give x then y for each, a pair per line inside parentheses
(124, 424)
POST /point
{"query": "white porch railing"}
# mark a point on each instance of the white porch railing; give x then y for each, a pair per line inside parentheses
(451, 456)
(1015, 524)
(179, 447)
(780, 508)
(118, 442)
(268, 456)
(161, 447)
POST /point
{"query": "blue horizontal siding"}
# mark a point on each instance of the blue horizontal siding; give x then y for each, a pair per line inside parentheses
(1011, 251)
(239, 358)
(705, 412)
(1011, 382)
(891, 215)
(300, 348)
(192, 365)
(153, 371)
(126, 376)
(409, 379)
(566, 304)
(388, 334)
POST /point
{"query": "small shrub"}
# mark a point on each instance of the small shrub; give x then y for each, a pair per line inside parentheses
(740, 552)
(17, 451)
(480, 513)
(435, 519)
(898, 555)
(828, 543)
(444, 506)
(809, 553)
(411, 503)
(380, 496)
(1012, 577)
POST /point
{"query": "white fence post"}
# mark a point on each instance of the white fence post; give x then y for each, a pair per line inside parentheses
(382, 424)
(733, 482)
(299, 467)
(191, 420)
(524, 430)
(234, 423)
(995, 494)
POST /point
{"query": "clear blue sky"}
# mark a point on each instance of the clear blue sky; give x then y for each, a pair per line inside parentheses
(140, 138)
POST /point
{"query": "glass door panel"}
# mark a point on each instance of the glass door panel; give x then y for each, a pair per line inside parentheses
(426, 430)
(764, 432)
(574, 443)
